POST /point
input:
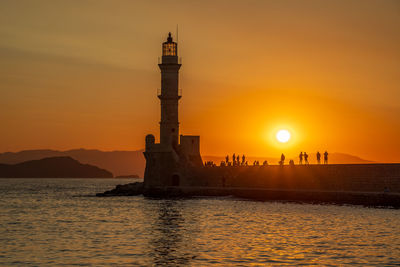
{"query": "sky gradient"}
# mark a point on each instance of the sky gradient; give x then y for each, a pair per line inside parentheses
(84, 74)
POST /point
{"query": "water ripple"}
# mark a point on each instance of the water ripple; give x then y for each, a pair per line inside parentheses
(54, 222)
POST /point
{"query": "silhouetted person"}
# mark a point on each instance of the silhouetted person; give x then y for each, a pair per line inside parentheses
(254, 163)
(326, 157)
(265, 163)
(291, 162)
(227, 159)
(301, 158)
(318, 157)
(243, 159)
(234, 159)
(305, 158)
(238, 160)
(282, 159)
(210, 164)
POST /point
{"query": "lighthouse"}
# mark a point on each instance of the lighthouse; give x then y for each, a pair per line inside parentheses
(169, 94)
(169, 161)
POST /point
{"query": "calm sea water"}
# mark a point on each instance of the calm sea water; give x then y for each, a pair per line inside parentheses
(59, 222)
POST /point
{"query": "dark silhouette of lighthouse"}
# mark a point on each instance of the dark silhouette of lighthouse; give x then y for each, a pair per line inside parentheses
(168, 162)
(169, 95)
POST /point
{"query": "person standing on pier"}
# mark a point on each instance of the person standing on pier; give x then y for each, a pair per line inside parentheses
(234, 159)
(243, 159)
(301, 158)
(227, 159)
(318, 157)
(326, 157)
(282, 160)
(306, 158)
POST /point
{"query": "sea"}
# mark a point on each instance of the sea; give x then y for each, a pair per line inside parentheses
(60, 222)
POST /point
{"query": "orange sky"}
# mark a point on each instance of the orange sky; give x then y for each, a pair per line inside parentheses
(84, 74)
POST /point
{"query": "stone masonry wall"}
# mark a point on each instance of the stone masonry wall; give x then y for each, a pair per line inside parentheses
(340, 177)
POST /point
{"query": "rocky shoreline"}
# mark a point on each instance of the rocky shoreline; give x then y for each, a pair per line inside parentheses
(131, 189)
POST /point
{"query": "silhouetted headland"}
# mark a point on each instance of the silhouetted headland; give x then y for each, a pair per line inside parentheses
(127, 176)
(117, 162)
(54, 167)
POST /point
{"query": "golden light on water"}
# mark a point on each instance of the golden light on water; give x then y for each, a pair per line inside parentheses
(283, 136)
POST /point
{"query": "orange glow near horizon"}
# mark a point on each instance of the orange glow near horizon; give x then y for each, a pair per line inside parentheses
(327, 72)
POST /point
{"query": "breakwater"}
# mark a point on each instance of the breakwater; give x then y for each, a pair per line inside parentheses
(363, 184)
(340, 177)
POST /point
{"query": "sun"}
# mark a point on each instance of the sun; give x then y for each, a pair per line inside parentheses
(283, 136)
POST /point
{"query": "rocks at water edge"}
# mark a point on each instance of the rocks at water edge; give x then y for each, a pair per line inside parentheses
(132, 189)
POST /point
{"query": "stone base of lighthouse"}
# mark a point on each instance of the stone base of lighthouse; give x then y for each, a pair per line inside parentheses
(167, 166)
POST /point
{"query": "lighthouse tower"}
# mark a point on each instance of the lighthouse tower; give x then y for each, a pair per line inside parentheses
(168, 162)
(169, 94)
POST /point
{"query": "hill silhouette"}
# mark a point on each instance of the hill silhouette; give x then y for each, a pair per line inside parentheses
(133, 162)
(55, 167)
(118, 162)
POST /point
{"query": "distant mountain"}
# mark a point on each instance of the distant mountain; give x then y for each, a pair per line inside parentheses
(118, 162)
(127, 176)
(55, 167)
(133, 162)
(341, 158)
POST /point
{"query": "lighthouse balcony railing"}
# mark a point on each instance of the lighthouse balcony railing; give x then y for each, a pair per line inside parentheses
(160, 60)
(159, 92)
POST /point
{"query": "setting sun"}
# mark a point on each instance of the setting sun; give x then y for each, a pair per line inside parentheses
(283, 136)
